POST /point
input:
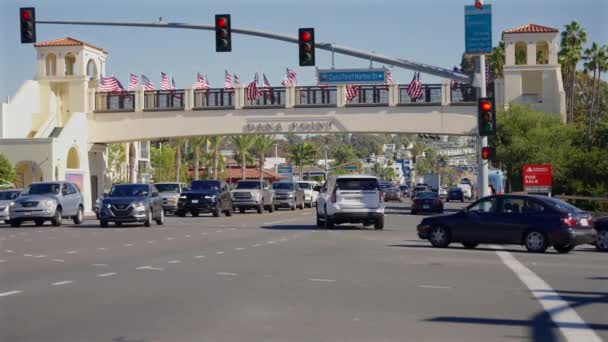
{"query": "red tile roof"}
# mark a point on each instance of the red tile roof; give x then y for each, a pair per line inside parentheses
(530, 28)
(68, 41)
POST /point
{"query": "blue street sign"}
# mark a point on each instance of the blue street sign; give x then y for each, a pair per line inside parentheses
(350, 168)
(346, 76)
(283, 169)
(478, 29)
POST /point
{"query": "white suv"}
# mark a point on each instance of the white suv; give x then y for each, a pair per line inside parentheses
(350, 199)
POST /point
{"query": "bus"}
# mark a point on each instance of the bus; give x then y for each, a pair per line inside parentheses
(497, 179)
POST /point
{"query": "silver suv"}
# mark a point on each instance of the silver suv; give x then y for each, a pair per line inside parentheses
(48, 201)
(251, 194)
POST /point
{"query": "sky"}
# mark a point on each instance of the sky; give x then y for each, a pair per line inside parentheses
(430, 32)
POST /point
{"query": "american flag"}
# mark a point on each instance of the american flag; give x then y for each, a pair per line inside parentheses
(109, 84)
(489, 74)
(227, 80)
(253, 93)
(133, 82)
(389, 77)
(290, 77)
(267, 87)
(352, 90)
(201, 82)
(164, 82)
(173, 84)
(146, 83)
(414, 90)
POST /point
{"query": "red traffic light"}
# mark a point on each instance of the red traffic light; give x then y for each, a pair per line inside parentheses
(486, 106)
(26, 15)
(305, 36)
(485, 153)
(478, 4)
(221, 22)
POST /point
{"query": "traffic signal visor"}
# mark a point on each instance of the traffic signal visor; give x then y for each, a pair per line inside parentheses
(27, 17)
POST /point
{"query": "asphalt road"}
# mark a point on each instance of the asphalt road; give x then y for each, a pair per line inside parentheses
(276, 277)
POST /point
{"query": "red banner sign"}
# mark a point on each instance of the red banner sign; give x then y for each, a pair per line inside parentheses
(538, 175)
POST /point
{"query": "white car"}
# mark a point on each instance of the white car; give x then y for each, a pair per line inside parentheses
(350, 199)
(310, 195)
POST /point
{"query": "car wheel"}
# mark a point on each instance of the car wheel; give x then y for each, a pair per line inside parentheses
(602, 240)
(271, 208)
(379, 224)
(242, 210)
(535, 242)
(260, 209)
(58, 218)
(447, 199)
(462, 201)
(195, 214)
(148, 221)
(293, 207)
(103, 223)
(563, 249)
(15, 223)
(161, 220)
(79, 216)
(302, 206)
(228, 211)
(414, 212)
(217, 210)
(470, 245)
(180, 213)
(328, 223)
(118, 224)
(39, 222)
(319, 221)
(440, 237)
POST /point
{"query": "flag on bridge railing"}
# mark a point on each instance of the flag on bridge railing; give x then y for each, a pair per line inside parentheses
(173, 87)
(267, 86)
(414, 90)
(253, 93)
(227, 80)
(389, 77)
(146, 83)
(164, 82)
(489, 74)
(352, 90)
(109, 84)
(290, 77)
(201, 82)
(133, 82)
(236, 79)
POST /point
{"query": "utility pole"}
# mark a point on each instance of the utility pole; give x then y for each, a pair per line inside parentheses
(276, 158)
(482, 165)
(325, 163)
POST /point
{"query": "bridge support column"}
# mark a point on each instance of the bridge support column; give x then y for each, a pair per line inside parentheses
(290, 96)
(393, 95)
(340, 95)
(446, 92)
(239, 97)
(139, 99)
(188, 99)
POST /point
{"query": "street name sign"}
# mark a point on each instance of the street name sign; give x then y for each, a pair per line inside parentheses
(349, 76)
(478, 30)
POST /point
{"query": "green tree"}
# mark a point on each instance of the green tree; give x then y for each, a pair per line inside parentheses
(163, 162)
(573, 38)
(215, 143)
(377, 169)
(117, 157)
(197, 144)
(344, 154)
(242, 144)
(302, 154)
(262, 144)
(389, 174)
(596, 61)
(178, 145)
(7, 172)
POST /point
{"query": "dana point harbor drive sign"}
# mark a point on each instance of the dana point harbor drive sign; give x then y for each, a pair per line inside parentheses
(289, 126)
(348, 76)
(478, 30)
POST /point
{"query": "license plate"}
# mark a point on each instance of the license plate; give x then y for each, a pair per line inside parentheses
(584, 222)
(27, 213)
(194, 201)
(426, 206)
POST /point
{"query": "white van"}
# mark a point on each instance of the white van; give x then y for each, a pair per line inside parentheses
(466, 190)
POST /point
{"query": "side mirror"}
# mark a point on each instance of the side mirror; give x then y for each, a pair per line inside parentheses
(155, 194)
(317, 188)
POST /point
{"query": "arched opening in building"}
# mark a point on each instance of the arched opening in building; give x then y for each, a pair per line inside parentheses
(27, 172)
(521, 53)
(92, 69)
(73, 161)
(51, 65)
(70, 64)
(542, 52)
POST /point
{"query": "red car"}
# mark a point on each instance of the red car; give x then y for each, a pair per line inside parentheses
(427, 201)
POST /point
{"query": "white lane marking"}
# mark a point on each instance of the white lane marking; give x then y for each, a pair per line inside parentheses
(434, 287)
(152, 241)
(219, 231)
(101, 248)
(322, 280)
(27, 255)
(128, 244)
(219, 253)
(270, 242)
(100, 265)
(174, 261)
(150, 268)
(9, 293)
(39, 231)
(199, 256)
(1, 261)
(9, 251)
(71, 252)
(106, 274)
(59, 260)
(283, 239)
(256, 245)
(565, 318)
(65, 282)
(239, 248)
(40, 256)
(265, 224)
(170, 238)
(232, 228)
(227, 274)
(204, 233)
(187, 236)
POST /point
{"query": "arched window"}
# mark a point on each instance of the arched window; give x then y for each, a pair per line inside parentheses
(73, 161)
(92, 69)
(70, 64)
(521, 53)
(542, 52)
(51, 64)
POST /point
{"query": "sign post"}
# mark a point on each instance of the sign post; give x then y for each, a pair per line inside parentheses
(538, 178)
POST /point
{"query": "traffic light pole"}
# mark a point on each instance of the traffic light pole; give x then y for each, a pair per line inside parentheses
(482, 167)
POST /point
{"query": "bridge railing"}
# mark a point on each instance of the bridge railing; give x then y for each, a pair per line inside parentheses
(370, 95)
(115, 102)
(316, 97)
(213, 99)
(463, 94)
(430, 95)
(164, 99)
(271, 97)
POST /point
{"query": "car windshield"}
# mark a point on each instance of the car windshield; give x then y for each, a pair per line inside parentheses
(403, 187)
(167, 187)
(562, 205)
(426, 195)
(357, 184)
(205, 185)
(128, 190)
(455, 190)
(43, 189)
(248, 185)
(420, 188)
(305, 186)
(384, 185)
(282, 186)
(8, 195)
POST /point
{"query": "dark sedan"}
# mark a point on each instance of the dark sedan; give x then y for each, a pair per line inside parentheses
(427, 201)
(455, 194)
(536, 222)
(132, 203)
(392, 194)
(205, 196)
(601, 227)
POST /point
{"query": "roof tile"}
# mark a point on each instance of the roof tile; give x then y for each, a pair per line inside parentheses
(531, 28)
(68, 41)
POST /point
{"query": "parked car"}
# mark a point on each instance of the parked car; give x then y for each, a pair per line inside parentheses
(350, 199)
(455, 194)
(392, 194)
(47, 201)
(6, 197)
(467, 190)
(253, 194)
(601, 227)
(405, 191)
(169, 194)
(132, 203)
(443, 192)
(417, 189)
(205, 196)
(310, 196)
(427, 201)
(536, 222)
(288, 194)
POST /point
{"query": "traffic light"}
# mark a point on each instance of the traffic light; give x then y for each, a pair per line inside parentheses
(27, 17)
(306, 41)
(486, 116)
(488, 153)
(223, 33)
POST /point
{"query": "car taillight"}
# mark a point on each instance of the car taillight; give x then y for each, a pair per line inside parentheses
(381, 196)
(437, 202)
(569, 221)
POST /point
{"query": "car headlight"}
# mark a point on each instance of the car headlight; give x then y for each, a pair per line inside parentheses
(138, 205)
(12, 204)
(49, 203)
(108, 205)
(183, 197)
(211, 197)
(290, 195)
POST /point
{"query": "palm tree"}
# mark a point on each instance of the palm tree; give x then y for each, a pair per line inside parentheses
(302, 154)
(573, 38)
(262, 144)
(196, 145)
(215, 143)
(177, 143)
(243, 143)
(596, 60)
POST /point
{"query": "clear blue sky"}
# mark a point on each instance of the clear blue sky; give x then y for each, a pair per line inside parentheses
(428, 31)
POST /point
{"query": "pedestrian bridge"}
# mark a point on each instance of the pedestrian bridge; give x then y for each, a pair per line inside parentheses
(150, 115)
